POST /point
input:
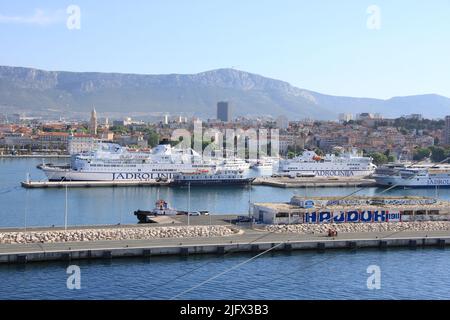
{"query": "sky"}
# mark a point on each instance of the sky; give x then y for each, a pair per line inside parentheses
(360, 48)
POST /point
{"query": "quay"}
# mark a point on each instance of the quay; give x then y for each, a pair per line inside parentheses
(32, 156)
(248, 239)
(279, 182)
(316, 182)
(87, 184)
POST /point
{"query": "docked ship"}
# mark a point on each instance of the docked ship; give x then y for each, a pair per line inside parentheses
(217, 177)
(345, 165)
(391, 168)
(264, 166)
(111, 162)
(425, 175)
(161, 208)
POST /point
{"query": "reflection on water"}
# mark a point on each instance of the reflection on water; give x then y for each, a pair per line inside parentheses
(45, 207)
(405, 274)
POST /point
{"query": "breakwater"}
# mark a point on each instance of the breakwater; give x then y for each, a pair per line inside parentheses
(361, 227)
(135, 233)
(226, 240)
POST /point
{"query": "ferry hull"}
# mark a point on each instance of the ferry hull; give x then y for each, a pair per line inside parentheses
(54, 174)
(212, 182)
(331, 173)
(413, 183)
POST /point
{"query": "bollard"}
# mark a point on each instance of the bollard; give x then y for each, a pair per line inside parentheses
(66, 256)
(184, 251)
(321, 246)
(220, 250)
(21, 258)
(351, 245)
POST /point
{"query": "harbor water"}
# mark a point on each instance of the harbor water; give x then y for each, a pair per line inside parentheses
(405, 274)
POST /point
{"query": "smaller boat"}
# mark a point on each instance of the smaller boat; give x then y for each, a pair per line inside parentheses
(162, 208)
(218, 177)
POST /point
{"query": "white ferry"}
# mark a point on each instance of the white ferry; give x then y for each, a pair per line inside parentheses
(310, 164)
(428, 175)
(264, 166)
(111, 162)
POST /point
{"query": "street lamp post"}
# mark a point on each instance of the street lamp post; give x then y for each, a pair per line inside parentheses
(189, 203)
(65, 212)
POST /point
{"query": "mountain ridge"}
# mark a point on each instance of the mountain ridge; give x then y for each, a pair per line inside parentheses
(39, 90)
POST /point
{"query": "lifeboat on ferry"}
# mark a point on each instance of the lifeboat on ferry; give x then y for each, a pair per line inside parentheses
(317, 158)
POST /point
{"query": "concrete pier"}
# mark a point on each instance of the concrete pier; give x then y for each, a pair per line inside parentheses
(88, 184)
(280, 182)
(316, 182)
(32, 156)
(250, 240)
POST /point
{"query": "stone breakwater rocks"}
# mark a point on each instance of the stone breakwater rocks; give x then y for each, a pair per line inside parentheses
(138, 233)
(361, 227)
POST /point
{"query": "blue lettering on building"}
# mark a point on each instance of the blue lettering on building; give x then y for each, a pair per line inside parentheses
(325, 216)
(379, 216)
(393, 216)
(352, 216)
(366, 216)
(311, 217)
(339, 217)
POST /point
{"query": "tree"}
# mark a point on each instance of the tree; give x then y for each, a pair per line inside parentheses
(438, 154)
(319, 152)
(421, 154)
(153, 138)
(378, 158)
(391, 158)
(119, 129)
(290, 154)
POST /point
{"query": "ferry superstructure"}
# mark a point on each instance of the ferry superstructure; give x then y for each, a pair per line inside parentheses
(111, 162)
(265, 166)
(310, 164)
(425, 175)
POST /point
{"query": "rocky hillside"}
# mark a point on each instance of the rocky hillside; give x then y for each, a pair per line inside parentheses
(39, 90)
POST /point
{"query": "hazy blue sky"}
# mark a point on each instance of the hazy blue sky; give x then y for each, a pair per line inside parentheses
(324, 46)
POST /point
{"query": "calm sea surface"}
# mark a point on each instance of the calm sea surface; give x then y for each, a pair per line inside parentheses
(405, 274)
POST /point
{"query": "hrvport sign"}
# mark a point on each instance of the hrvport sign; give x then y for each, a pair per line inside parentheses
(352, 216)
